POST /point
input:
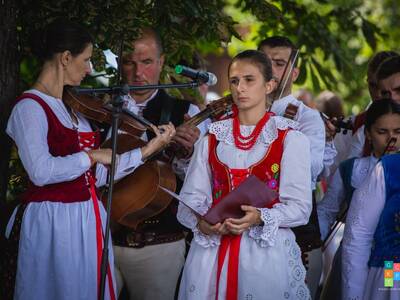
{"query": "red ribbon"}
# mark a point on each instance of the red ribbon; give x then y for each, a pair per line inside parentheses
(99, 238)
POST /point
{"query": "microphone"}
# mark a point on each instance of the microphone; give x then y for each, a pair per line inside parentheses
(201, 76)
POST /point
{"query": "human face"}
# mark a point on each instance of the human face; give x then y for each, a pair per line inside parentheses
(390, 87)
(279, 57)
(78, 66)
(380, 133)
(142, 66)
(248, 86)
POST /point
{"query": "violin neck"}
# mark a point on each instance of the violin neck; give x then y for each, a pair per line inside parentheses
(200, 117)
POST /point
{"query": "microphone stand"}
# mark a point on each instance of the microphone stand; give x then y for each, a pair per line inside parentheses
(119, 92)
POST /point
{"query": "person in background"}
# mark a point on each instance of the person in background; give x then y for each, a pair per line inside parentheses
(382, 117)
(305, 96)
(372, 225)
(388, 77)
(357, 143)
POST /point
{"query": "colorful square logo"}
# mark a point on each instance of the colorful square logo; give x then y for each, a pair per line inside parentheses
(388, 282)
(396, 276)
(388, 264)
(388, 274)
(396, 267)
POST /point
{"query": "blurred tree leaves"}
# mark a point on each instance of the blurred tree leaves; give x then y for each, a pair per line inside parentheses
(336, 37)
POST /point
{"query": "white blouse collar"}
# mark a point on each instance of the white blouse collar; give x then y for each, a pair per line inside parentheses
(223, 130)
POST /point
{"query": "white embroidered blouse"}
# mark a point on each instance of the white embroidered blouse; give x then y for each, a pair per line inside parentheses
(295, 178)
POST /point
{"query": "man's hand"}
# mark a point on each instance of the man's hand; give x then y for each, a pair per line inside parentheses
(186, 136)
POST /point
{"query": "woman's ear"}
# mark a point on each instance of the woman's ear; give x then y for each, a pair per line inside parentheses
(65, 58)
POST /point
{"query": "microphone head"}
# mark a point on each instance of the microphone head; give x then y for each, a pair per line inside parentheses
(212, 79)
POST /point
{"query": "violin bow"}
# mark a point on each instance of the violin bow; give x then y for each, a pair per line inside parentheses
(292, 61)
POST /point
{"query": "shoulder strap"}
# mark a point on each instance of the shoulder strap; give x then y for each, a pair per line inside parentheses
(291, 111)
(346, 171)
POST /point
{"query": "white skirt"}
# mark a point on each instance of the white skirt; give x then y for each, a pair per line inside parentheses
(273, 272)
(374, 287)
(57, 256)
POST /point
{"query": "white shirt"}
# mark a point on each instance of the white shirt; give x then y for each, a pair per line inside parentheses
(329, 206)
(28, 127)
(294, 192)
(179, 165)
(312, 126)
(362, 219)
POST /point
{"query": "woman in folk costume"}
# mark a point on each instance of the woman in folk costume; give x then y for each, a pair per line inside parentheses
(256, 256)
(351, 174)
(55, 235)
(372, 232)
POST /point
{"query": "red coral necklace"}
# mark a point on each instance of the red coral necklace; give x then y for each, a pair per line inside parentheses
(247, 142)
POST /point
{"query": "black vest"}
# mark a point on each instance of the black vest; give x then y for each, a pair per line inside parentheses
(160, 110)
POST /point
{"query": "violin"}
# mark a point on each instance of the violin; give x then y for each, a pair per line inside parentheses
(339, 123)
(100, 110)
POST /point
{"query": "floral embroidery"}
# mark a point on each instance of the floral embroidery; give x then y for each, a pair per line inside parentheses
(218, 194)
(275, 168)
(217, 186)
(272, 184)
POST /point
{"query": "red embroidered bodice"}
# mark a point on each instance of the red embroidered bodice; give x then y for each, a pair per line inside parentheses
(62, 141)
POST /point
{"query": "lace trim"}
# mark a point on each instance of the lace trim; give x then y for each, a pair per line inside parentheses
(223, 130)
(265, 235)
(204, 240)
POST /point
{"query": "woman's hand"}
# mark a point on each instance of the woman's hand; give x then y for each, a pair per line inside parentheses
(209, 229)
(102, 156)
(238, 226)
(160, 140)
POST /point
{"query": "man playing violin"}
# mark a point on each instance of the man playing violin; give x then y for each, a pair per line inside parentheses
(149, 259)
(281, 52)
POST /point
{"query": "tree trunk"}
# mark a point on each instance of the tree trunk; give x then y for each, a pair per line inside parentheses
(9, 76)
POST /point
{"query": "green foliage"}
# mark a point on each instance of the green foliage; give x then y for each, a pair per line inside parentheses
(181, 24)
(335, 38)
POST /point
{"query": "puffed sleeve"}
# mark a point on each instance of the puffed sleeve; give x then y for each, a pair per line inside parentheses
(196, 192)
(361, 222)
(28, 127)
(311, 125)
(295, 197)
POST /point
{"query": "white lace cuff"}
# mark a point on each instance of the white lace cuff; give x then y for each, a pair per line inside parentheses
(265, 235)
(205, 240)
